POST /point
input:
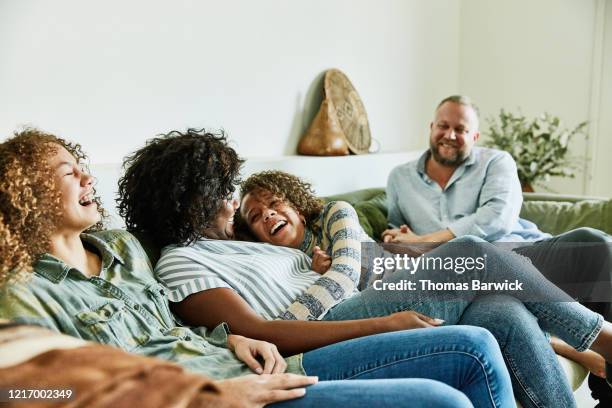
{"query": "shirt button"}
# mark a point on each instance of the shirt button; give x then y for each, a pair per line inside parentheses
(188, 338)
(161, 292)
(137, 307)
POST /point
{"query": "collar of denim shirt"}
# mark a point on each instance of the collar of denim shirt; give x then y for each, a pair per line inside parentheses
(55, 270)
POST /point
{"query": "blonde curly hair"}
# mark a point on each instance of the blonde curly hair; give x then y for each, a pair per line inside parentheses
(289, 188)
(14, 259)
(30, 206)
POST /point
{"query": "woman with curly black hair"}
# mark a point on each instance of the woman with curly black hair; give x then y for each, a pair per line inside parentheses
(267, 291)
(183, 209)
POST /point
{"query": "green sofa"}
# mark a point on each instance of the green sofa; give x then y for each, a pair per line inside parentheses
(553, 213)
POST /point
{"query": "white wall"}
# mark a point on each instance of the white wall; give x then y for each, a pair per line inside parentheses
(601, 149)
(540, 56)
(112, 74)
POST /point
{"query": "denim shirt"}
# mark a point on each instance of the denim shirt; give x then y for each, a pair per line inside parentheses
(124, 307)
(482, 198)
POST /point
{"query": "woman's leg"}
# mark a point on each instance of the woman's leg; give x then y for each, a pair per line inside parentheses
(380, 393)
(537, 377)
(556, 311)
(465, 358)
(580, 262)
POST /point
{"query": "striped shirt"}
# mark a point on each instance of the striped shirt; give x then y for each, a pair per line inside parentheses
(275, 281)
(269, 278)
(337, 232)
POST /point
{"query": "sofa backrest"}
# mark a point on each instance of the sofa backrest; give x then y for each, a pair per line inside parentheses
(552, 213)
(556, 213)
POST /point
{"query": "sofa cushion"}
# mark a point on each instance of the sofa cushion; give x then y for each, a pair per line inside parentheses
(370, 206)
(552, 213)
(556, 217)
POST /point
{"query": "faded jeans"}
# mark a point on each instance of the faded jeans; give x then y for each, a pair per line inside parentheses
(518, 326)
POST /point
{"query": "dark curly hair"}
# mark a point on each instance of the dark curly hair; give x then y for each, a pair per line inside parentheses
(287, 187)
(173, 187)
(30, 206)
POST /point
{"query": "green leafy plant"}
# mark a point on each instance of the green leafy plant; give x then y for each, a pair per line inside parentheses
(539, 146)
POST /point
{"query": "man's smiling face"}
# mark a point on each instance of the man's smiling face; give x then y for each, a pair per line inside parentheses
(453, 133)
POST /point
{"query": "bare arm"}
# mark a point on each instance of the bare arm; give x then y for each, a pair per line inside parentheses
(589, 359)
(211, 307)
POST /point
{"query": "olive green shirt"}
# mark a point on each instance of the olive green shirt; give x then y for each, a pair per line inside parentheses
(124, 307)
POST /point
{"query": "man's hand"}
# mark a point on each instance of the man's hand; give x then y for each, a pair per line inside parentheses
(255, 391)
(247, 350)
(320, 261)
(402, 234)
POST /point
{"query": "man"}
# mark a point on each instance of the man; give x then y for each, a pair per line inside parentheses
(456, 189)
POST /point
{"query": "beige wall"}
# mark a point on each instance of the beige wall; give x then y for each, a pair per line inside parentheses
(601, 164)
(537, 56)
(114, 73)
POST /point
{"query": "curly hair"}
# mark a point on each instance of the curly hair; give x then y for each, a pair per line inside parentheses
(30, 203)
(15, 261)
(287, 187)
(172, 189)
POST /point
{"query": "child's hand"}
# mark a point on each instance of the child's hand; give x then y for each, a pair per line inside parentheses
(320, 261)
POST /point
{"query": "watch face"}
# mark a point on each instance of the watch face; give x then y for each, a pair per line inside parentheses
(350, 111)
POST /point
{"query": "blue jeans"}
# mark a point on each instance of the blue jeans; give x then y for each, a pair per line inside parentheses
(379, 394)
(583, 256)
(463, 357)
(569, 321)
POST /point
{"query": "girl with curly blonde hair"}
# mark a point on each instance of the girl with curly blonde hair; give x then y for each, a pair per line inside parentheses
(30, 202)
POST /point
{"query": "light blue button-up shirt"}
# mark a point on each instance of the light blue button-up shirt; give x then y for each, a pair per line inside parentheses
(482, 198)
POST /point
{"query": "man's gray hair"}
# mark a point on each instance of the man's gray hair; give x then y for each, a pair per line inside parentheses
(461, 100)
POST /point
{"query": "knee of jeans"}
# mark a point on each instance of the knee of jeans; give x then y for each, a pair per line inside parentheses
(587, 234)
(480, 338)
(441, 395)
(501, 315)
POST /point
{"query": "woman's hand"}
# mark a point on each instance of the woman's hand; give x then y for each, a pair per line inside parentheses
(320, 261)
(248, 350)
(409, 320)
(255, 391)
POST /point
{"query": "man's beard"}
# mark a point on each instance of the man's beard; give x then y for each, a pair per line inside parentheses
(449, 162)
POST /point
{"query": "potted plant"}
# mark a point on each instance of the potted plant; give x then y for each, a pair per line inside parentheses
(539, 146)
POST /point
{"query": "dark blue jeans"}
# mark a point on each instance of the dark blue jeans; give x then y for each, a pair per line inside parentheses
(465, 358)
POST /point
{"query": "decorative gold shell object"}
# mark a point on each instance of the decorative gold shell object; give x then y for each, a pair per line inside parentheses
(341, 123)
